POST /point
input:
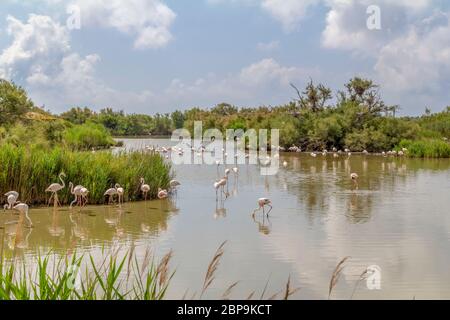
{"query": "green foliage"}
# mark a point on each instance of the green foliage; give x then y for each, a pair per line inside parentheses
(77, 115)
(30, 170)
(87, 136)
(14, 102)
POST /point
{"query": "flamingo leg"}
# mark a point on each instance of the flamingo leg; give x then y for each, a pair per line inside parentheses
(75, 200)
(267, 214)
(49, 199)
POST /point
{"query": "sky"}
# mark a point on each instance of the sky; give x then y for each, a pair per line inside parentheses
(149, 56)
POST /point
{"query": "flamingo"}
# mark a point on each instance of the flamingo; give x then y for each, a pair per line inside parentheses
(174, 184)
(285, 164)
(23, 209)
(262, 202)
(354, 177)
(236, 170)
(162, 193)
(76, 191)
(313, 154)
(84, 195)
(218, 165)
(145, 188)
(120, 193)
(12, 197)
(54, 188)
(111, 192)
(220, 184)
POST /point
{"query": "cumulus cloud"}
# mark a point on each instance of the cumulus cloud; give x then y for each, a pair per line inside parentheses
(346, 26)
(40, 57)
(38, 41)
(288, 12)
(149, 21)
(419, 60)
(266, 80)
(269, 71)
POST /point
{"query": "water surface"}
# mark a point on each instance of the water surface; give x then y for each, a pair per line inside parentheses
(398, 220)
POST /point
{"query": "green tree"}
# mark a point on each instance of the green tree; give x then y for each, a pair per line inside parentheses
(14, 102)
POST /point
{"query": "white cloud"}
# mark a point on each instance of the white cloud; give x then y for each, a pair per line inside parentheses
(268, 46)
(269, 71)
(260, 83)
(149, 21)
(39, 40)
(346, 26)
(288, 12)
(41, 59)
(419, 60)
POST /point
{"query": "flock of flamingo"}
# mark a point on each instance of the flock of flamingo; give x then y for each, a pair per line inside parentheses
(81, 195)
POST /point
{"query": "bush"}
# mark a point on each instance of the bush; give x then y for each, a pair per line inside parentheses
(87, 136)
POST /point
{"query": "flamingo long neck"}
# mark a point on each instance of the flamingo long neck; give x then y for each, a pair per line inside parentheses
(71, 188)
(63, 183)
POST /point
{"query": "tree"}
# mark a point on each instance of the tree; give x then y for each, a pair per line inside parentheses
(314, 97)
(177, 119)
(363, 92)
(14, 102)
(78, 115)
(224, 109)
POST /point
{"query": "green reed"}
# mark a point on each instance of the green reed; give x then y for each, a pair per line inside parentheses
(30, 170)
(67, 278)
(427, 148)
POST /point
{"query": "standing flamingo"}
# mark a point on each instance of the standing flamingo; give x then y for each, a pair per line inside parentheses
(145, 188)
(221, 184)
(120, 193)
(23, 209)
(354, 177)
(84, 196)
(12, 197)
(218, 165)
(76, 191)
(262, 202)
(54, 188)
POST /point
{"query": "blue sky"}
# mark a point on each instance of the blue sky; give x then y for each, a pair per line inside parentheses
(151, 56)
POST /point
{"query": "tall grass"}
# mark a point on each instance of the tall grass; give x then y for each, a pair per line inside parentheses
(429, 148)
(68, 278)
(30, 171)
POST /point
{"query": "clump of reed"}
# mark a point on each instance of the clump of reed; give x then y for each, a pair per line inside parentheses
(30, 170)
(426, 148)
(64, 278)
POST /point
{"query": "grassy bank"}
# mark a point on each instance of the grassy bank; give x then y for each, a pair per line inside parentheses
(30, 171)
(426, 148)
